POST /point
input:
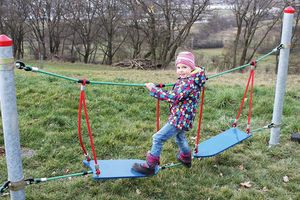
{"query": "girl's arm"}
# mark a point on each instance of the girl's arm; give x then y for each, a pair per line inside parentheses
(172, 96)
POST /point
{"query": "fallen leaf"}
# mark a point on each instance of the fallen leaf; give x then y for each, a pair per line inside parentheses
(246, 184)
(241, 167)
(265, 189)
(285, 179)
(138, 191)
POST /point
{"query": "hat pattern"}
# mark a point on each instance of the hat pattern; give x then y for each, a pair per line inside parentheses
(186, 58)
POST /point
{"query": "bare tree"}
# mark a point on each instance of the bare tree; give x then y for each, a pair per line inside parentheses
(252, 17)
(83, 19)
(38, 24)
(14, 15)
(167, 24)
(296, 32)
(133, 27)
(2, 9)
(54, 10)
(295, 45)
(111, 17)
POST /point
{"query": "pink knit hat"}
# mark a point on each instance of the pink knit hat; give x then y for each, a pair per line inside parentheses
(186, 58)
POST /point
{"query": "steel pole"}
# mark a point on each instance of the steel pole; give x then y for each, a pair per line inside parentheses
(10, 120)
(282, 73)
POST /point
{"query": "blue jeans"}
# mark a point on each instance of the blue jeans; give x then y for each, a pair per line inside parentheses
(166, 132)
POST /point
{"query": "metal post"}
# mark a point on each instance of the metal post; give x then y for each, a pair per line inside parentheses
(282, 73)
(10, 120)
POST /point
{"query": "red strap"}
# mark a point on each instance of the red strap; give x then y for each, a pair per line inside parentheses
(157, 115)
(79, 126)
(200, 120)
(82, 101)
(242, 103)
(250, 102)
(158, 111)
(90, 134)
(250, 79)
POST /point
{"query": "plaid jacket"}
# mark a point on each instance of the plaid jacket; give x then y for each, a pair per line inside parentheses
(183, 99)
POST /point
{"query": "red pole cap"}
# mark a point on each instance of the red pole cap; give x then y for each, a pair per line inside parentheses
(289, 10)
(5, 41)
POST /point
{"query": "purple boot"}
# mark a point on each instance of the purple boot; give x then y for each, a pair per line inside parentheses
(147, 168)
(185, 159)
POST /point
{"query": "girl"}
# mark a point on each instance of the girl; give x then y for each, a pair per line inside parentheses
(184, 98)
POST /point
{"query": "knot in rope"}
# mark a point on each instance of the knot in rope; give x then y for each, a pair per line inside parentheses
(253, 64)
(84, 81)
(160, 85)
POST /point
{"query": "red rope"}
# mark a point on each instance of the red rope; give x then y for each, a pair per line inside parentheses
(250, 79)
(242, 103)
(79, 126)
(82, 101)
(157, 115)
(158, 112)
(250, 102)
(200, 120)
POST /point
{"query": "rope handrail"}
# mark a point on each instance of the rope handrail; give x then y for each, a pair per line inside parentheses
(21, 65)
(248, 64)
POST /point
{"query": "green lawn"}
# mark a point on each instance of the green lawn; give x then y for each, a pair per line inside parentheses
(123, 121)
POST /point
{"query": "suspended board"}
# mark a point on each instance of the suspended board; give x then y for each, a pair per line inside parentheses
(221, 142)
(113, 169)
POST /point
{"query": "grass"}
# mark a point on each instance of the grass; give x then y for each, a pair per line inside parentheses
(123, 121)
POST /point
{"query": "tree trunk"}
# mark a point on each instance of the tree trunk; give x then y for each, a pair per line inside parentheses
(235, 45)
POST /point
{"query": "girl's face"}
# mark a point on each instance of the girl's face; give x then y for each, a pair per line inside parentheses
(183, 71)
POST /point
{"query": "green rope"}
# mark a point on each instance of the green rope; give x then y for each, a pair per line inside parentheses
(33, 69)
(167, 166)
(258, 129)
(228, 71)
(122, 84)
(55, 75)
(39, 180)
(246, 65)
(266, 55)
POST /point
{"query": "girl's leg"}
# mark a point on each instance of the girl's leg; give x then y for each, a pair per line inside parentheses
(185, 156)
(152, 160)
(182, 142)
(166, 132)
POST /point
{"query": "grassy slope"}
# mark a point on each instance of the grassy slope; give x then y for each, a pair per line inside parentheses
(123, 120)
